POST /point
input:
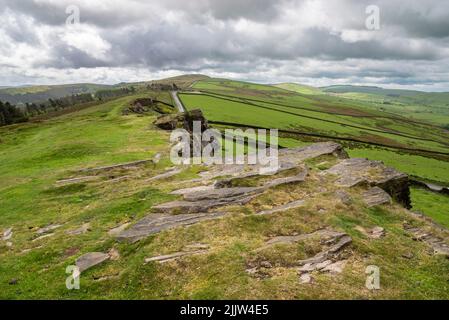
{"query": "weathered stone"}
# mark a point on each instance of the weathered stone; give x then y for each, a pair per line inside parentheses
(375, 197)
(83, 229)
(328, 253)
(116, 231)
(220, 193)
(354, 172)
(174, 256)
(128, 165)
(169, 122)
(374, 233)
(114, 254)
(43, 237)
(165, 175)
(266, 264)
(48, 228)
(193, 190)
(327, 236)
(344, 197)
(438, 245)
(239, 172)
(192, 116)
(297, 155)
(305, 278)
(7, 234)
(185, 207)
(336, 267)
(90, 260)
(285, 207)
(323, 264)
(155, 223)
(77, 180)
(408, 255)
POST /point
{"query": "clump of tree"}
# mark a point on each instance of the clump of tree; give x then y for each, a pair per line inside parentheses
(33, 109)
(10, 114)
(113, 93)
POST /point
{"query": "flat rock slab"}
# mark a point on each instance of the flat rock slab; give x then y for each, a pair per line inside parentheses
(116, 231)
(356, 171)
(214, 194)
(48, 228)
(344, 197)
(81, 230)
(90, 260)
(193, 190)
(165, 175)
(374, 233)
(285, 207)
(155, 223)
(77, 180)
(174, 256)
(376, 196)
(127, 165)
(190, 207)
(324, 234)
(316, 150)
(45, 236)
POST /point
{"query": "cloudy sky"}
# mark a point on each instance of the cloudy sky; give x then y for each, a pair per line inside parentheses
(316, 42)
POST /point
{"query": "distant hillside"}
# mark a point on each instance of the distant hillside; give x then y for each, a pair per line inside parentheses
(299, 88)
(405, 96)
(34, 94)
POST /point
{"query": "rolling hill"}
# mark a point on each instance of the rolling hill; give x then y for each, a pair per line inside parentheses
(78, 186)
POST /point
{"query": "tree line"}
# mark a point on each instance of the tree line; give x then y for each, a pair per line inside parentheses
(10, 114)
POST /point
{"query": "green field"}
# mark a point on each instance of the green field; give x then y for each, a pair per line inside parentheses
(353, 113)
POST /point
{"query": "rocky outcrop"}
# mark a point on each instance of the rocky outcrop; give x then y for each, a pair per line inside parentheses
(169, 122)
(182, 120)
(363, 172)
(247, 183)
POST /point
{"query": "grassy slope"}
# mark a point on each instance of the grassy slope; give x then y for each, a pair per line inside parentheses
(34, 156)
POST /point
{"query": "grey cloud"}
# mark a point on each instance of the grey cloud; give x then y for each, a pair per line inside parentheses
(193, 36)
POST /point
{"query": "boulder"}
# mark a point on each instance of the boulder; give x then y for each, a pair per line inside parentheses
(356, 172)
(169, 122)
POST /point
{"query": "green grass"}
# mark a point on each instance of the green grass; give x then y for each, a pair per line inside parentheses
(33, 156)
(432, 204)
(418, 166)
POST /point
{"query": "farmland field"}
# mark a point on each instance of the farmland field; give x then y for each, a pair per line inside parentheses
(412, 145)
